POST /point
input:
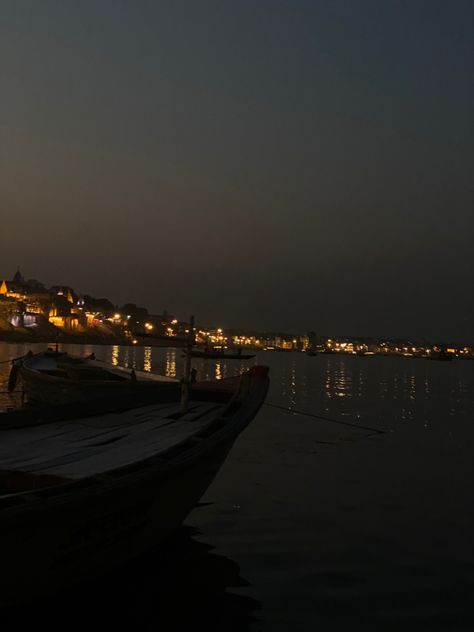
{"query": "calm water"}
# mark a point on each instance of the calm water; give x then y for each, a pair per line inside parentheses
(312, 525)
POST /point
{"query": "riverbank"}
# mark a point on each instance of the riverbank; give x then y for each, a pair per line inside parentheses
(33, 337)
(26, 336)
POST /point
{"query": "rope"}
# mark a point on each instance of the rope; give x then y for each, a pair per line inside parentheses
(321, 417)
(11, 360)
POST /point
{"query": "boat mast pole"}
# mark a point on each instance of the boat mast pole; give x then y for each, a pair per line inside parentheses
(187, 368)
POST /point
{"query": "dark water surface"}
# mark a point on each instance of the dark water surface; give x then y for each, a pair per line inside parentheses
(310, 525)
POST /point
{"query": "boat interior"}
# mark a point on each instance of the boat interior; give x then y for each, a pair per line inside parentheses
(44, 455)
(69, 367)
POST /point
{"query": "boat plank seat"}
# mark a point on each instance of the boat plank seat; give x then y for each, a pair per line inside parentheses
(83, 429)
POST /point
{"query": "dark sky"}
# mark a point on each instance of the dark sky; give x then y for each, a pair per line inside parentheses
(273, 164)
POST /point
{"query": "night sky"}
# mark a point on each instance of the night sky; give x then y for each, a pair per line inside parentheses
(273, 164)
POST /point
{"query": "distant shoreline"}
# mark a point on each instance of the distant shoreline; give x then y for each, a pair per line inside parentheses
(64, 339)
(21, 338)
(15, 337)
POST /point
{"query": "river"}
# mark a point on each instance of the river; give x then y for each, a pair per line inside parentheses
(310, 524)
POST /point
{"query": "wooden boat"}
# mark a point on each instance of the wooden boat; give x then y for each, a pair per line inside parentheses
(441, 356)
(155, 340)
(218, 354)
(81, 494)
(52, 378)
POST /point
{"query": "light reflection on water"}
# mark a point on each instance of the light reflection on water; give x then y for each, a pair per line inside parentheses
(376, 390)
(147, 359)
(115, 355)
(383, 390)
(170, 369)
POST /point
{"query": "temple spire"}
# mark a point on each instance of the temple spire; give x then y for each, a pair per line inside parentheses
(18, 278)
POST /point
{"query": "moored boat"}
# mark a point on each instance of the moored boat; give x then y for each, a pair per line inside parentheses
(80, 494)
(56, 378)
(442, 356)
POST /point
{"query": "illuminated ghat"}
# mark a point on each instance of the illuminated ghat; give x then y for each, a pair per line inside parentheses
(31, 307)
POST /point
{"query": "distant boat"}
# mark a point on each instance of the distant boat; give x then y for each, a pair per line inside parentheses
(311, 352)
(82, 493)
(155, 340)
(442, 356)
(220, 354)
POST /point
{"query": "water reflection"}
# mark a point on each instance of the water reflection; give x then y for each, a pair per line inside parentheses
(339, 381)
(134, 358)
(115, 355)
(126, 358)
(147, 359)
(293, 385)
(427, 389)
(170, 370)
(174, 588)
(375, 390)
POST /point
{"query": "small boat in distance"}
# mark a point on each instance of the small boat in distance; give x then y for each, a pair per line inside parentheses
(155, 340)
(221, 354)
(441, 356)
(83, 492)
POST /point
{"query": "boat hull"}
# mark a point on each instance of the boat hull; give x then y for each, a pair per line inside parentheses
(66, 533)
(70, 541)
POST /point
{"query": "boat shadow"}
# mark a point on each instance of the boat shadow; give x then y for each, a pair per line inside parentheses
(180, 585)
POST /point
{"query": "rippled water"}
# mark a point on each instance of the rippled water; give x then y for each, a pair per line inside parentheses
(327, 526)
